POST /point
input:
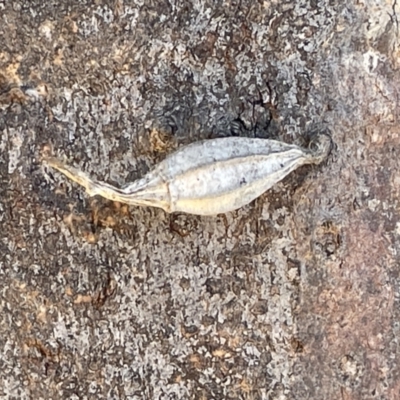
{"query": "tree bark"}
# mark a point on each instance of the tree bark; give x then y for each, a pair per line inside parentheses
(295, 296)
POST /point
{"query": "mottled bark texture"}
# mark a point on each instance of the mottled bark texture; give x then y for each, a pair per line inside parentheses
(295, 296)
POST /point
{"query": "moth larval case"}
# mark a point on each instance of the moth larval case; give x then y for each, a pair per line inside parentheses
(209, 177)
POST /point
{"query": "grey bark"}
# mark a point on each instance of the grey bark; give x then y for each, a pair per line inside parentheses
(295, 296)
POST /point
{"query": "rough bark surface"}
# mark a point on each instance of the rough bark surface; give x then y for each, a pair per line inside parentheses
(295, 296)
